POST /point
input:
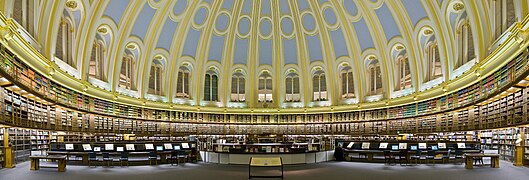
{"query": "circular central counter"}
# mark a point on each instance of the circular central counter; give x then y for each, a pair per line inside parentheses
(287, 157)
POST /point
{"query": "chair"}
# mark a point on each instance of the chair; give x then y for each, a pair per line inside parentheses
(459, 156)
(388, 158)
(432, 156)
(446, 158)
(403, 157)
(107, 158)
(153, 157)
(182, 155)
(478, 159)
(192, 157)
(92, 157)
(173, 158)
(417, 157)
(124, 158)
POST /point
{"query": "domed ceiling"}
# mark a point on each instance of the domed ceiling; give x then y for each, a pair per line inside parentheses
(265, 53)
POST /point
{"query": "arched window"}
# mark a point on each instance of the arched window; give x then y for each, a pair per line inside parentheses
(211, 86)
(23, 13)
(265, 87)
(97, 59)
(64, 45)
(504, 15)
(292, 87)
(465, 43)
(404, 78)
(433, 61)
(346, 75)
(155, 79)
(238, 87)
(375, 78)
(319, 87)
(182, 82)
(126, 73)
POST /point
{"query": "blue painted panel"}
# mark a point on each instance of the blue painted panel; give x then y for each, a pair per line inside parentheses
(265, 7)
(363, 34)
(222, 22)
(228, 4)
(166, 36)
(290, 51)
(216, 48)
(350, 6)
(142, 24)
(115, 9)
(303, 4)
(191, 44)
(241, 51)
(415, 10)
(247, 8)
(284, 6)
(314, 46)
(265, 52)
(287, 26)
(201, 15)
(388, 22)
(338, 40)
(179, 7)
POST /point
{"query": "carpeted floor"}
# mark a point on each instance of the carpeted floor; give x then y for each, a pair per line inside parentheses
(320, 171)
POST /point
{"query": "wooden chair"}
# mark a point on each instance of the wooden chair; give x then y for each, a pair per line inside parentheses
(92, 158)
(153, 157)
(388, 158)
(124, 158)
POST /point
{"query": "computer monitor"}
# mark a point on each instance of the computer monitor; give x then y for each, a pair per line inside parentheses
(395, 147)
(185, 145)
(177, 148)
(461, 146)
(403, 145)
(442, 145)
(434, 148)
(149, 146)
(97, 149)
(422, 146)
(350, 145)
(383, 145)
(119, 149)
(168, 146)
(69, 147)
(109, 147)
(413, 148)
(87, 147)
(129, 147)
(159, 148)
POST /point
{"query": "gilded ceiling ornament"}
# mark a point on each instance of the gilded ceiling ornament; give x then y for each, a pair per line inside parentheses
(102, 30)
(458, 6)
(131, 46)
(71, 4)
(428, 32)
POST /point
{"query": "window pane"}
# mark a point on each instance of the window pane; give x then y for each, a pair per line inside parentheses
(288, 85)
(323, 84)
(207, 88)
(234, 84)
(214, 88)
(179, 82)
(351, 87)
(344, 83)
(242, 86)
(296, 85)
(315, 84)
(186, 83)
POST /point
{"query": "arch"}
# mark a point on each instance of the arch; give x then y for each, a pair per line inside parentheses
(211, 84)
(65, 36)
(402, 64)
(433, 61)
(183, 80)
(24, 14)
(347, 89)
(319, 85)
(374, 76)
(97, 59)
(155, 86)
(292, 87)
(264, 90)
(238, 86)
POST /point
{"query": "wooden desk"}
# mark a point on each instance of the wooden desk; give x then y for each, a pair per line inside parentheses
(494, 160)
(265, 162)
(35, 161)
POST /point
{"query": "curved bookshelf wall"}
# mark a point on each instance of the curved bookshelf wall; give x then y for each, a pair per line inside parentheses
(35, 100)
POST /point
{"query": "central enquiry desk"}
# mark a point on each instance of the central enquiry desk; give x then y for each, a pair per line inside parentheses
(35, 161)
(265, 162)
